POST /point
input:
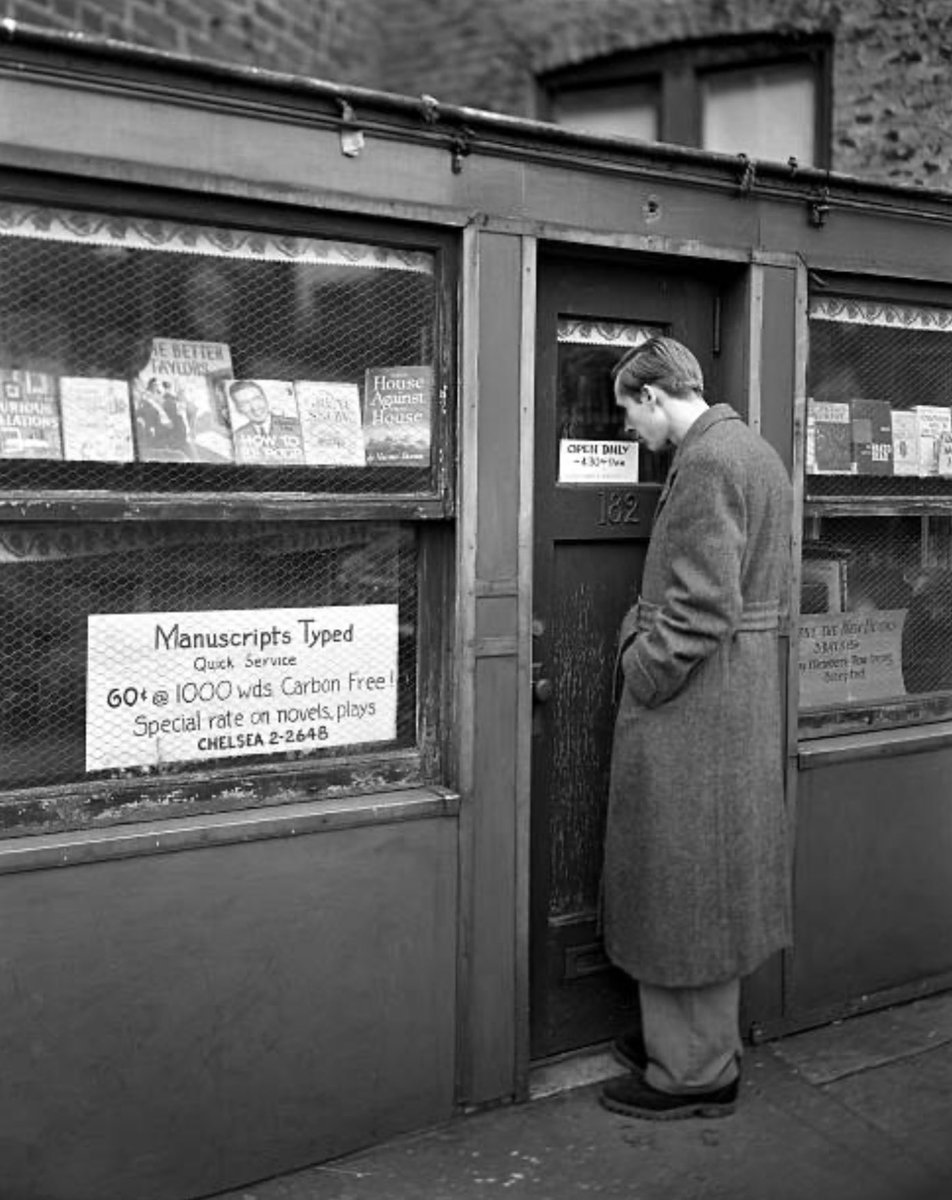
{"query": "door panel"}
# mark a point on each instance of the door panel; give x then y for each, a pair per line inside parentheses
(590, 542)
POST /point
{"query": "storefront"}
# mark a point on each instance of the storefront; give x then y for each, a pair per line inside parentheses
(315, 531)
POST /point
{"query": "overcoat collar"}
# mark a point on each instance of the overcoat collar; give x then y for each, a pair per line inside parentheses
(713, 416)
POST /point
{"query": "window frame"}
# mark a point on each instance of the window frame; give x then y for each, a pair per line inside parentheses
(918, 710)
(237, 786)
(677, 71)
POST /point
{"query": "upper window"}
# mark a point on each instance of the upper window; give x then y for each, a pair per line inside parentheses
(767, 98)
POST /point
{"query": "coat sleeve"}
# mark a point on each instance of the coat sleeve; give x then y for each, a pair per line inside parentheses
(706, 539)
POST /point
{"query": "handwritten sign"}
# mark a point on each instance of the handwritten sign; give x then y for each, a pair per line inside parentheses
(587, 461)
(851, 656)
(178, 687)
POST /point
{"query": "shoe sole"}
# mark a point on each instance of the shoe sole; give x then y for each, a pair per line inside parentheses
(705, 1110)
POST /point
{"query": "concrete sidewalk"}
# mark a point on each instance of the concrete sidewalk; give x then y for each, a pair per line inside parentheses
(861, 1110)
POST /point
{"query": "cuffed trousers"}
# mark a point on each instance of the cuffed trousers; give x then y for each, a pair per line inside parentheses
(692, 1036)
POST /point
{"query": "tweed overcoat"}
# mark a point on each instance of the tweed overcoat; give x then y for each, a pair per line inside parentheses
(696, 886)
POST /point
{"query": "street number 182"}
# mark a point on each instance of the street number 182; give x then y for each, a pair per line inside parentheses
(617, 508)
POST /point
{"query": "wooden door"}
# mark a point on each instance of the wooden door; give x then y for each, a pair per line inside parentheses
(595, 494)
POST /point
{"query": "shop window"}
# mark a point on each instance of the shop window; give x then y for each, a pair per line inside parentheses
(223, 475)
(764, 97)
(875, 644)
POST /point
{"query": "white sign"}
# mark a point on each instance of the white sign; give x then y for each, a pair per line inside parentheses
(852, 656)
(176, 687)
(586, 461)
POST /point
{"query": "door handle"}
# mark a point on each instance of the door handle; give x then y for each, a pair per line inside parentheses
(542, 688)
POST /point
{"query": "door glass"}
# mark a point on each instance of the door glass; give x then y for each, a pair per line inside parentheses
(593, 446)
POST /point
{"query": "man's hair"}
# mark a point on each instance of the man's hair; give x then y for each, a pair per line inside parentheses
(244, 385)
(662, 361)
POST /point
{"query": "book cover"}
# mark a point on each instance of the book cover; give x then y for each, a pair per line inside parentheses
(829, 438)
(97, 420)
(331, 426)
(180, 412)
(29, 415)
(871, 433)
(265, 424)
(934, 420)
(398, 415)
(905, 439)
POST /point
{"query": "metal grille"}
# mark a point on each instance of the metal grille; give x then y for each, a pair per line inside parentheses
(129, 649)
(905, 364)
(876, 586)
(88, 297)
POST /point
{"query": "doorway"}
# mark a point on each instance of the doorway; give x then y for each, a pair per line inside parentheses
(595, 494)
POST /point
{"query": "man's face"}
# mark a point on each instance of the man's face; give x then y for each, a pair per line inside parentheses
(253, 403)
(645, 417)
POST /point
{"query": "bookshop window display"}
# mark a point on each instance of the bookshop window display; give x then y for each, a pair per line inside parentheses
(875, 645)
(218, 383)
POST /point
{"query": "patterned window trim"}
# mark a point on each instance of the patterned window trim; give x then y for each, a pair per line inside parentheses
(881, 314)
(125, 233)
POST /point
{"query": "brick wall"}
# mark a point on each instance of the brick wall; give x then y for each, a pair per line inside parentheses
(892, 75)
(892, 72)
(330, 39)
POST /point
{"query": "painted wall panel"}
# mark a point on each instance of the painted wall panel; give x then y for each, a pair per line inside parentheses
(182, 1023)
(873, 884)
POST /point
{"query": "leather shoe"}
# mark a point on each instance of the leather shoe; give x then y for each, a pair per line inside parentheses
(630, 1051)
(632, 1097)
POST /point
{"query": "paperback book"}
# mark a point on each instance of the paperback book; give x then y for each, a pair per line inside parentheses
(934, 420)
(871, 433)
(905, 440)
(398, 415)
(97, 421)
(180, 412)
(29, 415)
(330, 424)
(265, 422)
(829, 438)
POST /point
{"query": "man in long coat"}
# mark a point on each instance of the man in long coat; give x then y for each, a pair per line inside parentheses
(696, 881)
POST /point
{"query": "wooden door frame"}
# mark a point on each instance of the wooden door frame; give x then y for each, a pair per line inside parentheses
(741, 376)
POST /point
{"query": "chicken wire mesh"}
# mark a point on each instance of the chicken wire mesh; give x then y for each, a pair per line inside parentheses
(123, 343)
(128, 650)
(876, 586)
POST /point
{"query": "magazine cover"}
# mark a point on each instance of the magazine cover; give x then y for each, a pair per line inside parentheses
(265, 423)
(180, 413)
(397, 415)
(330, 424)
(97, 422)
(29, 415)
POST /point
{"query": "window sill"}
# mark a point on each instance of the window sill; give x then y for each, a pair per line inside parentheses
(78, 848)
(884, 743)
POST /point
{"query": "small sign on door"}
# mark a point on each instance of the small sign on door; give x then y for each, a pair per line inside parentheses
(583, 460)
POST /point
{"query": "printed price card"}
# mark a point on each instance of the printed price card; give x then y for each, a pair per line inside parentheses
(176, 687)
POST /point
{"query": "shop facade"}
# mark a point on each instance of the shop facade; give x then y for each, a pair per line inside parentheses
(316, 532)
